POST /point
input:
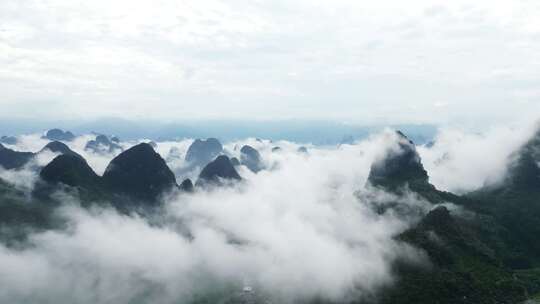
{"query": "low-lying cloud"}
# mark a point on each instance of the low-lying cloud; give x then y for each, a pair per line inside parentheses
(296, 231)
(305, 228)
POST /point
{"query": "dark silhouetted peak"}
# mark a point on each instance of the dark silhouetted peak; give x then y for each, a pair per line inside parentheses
(251, 158)
(401, 165)
(235, 162)
(115, 139)
(10, 159)
(201, 152)
(187, 185)
(8, 140)
(276, 149)
(57, 134)
(102, 144)
(216, 171)
(139, 172)
(59, 147)
(302, 150)
(70, 170)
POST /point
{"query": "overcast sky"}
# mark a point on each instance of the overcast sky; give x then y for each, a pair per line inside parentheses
(347, 60)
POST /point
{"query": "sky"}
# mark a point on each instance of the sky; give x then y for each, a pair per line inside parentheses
(344, 60)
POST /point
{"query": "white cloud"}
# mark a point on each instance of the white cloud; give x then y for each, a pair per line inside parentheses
(295, 232)
(232, 59)
(304, 228)
(463, 161)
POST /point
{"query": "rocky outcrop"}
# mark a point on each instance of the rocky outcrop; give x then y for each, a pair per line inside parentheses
(139, 172)
(201, 152)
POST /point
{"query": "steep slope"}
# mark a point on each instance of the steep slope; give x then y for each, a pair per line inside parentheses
(401, 170)
(464, 251)
(515, 202)
(71, 170)
(400, 166)
(60, 148)
(139, 172)
(10, 159)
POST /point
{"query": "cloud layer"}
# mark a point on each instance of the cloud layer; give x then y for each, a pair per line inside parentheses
(303, 229)
(462, 161)
(173, 60)
(296, 231)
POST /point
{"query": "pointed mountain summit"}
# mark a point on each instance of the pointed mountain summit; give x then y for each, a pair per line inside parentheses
(221, 169)
(72, 170)
(139, 172)
(401, 170)
(10, 159)
(401, 165)
(251, 158)
(59, 147)
(201, 152)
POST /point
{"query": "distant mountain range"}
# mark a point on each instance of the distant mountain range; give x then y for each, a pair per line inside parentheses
(316, 132)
